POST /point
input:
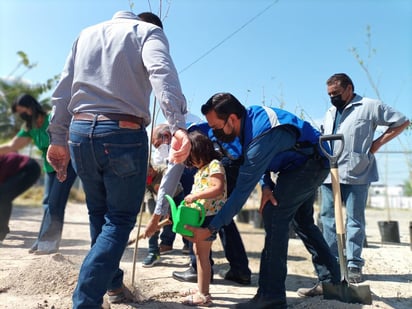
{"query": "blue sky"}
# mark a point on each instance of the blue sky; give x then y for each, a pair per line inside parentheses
(264, 52)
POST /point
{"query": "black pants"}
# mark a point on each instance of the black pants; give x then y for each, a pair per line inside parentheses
(12, 188)
(234, 250)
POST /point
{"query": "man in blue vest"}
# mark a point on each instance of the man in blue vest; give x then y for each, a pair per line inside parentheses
(273, 140)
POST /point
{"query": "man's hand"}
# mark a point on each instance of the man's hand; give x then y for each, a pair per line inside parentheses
(267, 196)
(59, 157)
(152, 226)
(180, 147)
(147, 233)
(199, 234)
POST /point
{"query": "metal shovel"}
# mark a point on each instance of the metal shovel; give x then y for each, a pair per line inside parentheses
(343, 291)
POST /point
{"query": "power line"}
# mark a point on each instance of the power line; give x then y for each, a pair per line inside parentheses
(229, 36)
(394, 151)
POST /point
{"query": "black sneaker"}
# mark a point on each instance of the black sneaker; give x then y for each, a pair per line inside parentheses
(316, 290)
(151, 260)
(354, 275)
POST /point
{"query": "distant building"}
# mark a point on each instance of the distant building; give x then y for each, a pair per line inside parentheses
(379, 190)
(381, 196)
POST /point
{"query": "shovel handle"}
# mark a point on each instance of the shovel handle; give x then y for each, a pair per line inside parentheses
(333, 158)
(337, 197)
(159, 226)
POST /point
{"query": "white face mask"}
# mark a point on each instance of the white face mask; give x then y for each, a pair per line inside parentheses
(161, 155)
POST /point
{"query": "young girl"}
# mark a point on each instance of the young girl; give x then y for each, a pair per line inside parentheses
(209, 189)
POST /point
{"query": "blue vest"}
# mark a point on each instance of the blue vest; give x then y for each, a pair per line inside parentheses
(259, 120)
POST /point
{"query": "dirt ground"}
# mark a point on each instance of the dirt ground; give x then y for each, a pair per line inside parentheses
(28, 281)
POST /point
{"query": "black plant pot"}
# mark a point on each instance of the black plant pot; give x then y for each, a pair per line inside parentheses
(410, 232)
(389, 231)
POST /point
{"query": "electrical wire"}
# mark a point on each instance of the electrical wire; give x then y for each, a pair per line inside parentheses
(229, 36)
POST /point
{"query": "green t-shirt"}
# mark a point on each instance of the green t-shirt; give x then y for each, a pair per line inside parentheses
(41, 139)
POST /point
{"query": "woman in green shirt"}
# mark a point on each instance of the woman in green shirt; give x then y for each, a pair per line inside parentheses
(55, 193)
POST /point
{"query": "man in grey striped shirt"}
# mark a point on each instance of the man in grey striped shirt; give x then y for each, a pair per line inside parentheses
(101, 109)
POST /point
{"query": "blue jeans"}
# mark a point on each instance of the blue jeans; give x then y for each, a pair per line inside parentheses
(354, 197)
(294, 191)
(112, 164)
(55, 198)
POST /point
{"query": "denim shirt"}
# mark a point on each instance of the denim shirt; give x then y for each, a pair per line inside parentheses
(358, 123)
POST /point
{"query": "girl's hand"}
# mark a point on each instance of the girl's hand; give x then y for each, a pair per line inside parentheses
(190, 198)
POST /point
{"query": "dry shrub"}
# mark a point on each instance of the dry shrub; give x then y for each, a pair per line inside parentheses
(34, 196)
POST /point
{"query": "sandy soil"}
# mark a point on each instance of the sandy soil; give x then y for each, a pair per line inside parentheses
(29, 281)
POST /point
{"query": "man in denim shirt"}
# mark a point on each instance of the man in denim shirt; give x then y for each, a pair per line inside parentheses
(356, 118)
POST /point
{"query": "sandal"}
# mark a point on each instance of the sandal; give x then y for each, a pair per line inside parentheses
(188, 292)
(197, 299)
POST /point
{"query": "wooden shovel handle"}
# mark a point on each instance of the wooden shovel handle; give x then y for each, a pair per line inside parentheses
(337, 199)
(159, 226)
